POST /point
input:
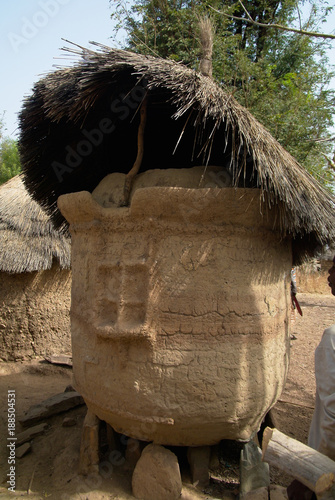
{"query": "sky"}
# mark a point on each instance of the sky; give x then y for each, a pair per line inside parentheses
(31, 33)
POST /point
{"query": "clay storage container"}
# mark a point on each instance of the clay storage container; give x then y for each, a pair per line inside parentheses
(179, 307)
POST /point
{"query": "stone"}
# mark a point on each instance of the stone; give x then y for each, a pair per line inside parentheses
(198, 458)
(69, 422)
(69, 388)
(89, 446)
(21, 451)
(258, 494)
(30, 433)
(278, 492)
(51, 406)
(157, 475)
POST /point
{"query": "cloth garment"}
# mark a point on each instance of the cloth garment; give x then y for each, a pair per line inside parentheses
(293, 281)
(322, 431)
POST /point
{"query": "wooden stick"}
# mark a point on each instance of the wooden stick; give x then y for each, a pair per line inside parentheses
(249, 19)
(89, 446)
(31, 481)
(313, 469)
(140, 150)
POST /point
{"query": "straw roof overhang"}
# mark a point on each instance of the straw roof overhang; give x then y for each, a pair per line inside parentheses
(28, 239)
(81, 124)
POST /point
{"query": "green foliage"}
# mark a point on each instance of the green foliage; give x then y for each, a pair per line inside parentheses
(161, 27)
(289, 94)
(282, 78)
(9, 157)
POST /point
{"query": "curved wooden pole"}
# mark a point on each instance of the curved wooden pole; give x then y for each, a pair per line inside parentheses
(140, 151)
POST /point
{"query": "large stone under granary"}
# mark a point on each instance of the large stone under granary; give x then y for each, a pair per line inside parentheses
(180, 306)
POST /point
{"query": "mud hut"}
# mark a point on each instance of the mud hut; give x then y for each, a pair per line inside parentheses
(35, 278)
(180, 297)
(312, 276)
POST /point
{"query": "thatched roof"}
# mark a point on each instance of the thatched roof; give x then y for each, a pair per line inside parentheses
(28, 239)
(81, 123)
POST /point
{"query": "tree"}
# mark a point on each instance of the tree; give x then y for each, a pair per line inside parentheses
(161, 27)
(281, 77)
(9, 156)
(276, 26)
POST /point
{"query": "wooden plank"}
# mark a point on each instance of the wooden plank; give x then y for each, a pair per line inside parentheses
(59, 359)
(52, 406)
(30, 433)
(21, 451)
(89, 447)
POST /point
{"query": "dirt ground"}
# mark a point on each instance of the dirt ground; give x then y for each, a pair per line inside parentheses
(50, 469)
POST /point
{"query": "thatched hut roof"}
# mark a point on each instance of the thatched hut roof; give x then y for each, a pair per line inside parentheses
(81, 123)
(28, 239)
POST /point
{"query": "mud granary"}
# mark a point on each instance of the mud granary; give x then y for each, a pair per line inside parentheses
(180, 297)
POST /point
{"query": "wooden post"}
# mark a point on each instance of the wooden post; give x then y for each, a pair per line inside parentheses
(198, 458)
(140, 151)
(206, 40)
(89, 448)
(313, 469)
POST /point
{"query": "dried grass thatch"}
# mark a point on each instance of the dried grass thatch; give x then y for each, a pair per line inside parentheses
(28, 239)
(185, 109)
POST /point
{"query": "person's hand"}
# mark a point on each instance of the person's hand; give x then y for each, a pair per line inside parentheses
(298, 491)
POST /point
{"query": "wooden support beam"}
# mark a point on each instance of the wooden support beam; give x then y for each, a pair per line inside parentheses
(89, 447)
(311, 468)
(198, 458)
(112, 441)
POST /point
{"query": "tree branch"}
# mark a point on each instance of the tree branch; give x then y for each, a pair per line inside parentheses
(249, 19)
(327, 139)
(330, 161)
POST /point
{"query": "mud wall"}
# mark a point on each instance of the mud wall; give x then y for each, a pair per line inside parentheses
(314, 279)
(179, 313)
(34, 314)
